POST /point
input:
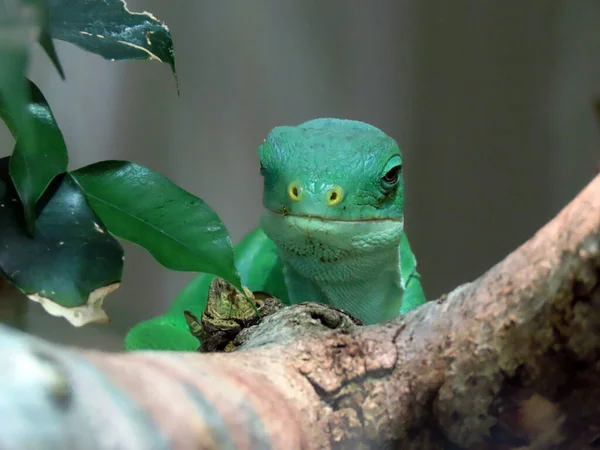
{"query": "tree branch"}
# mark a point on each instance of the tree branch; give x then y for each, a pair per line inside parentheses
(507, 361)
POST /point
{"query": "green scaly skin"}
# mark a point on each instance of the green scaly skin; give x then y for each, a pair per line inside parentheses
(332, 231)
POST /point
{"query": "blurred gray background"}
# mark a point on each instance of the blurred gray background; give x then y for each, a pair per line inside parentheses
(491, 103)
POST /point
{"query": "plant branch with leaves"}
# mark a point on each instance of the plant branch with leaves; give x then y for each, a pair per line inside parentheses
(57, 243)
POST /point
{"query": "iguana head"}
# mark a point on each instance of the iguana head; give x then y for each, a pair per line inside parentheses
(332, 169)
(333, 191)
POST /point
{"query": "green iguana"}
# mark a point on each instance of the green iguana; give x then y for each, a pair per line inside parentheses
(332, 231)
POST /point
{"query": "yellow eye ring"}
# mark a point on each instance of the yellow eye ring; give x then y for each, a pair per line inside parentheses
(335, 196)
(294, 191)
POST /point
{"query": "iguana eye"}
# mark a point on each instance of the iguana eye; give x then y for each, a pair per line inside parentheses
(262, 169)
(391, 177)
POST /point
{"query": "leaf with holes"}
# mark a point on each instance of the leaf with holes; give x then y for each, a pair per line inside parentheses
(71, 264)
(109, 29)
(180, 230)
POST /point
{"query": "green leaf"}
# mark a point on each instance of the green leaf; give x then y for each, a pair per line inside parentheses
(72, 263)
(48, 45)
(14, 95)
(40, 153)
(180, 230)
(33, 167)
(19, 28)
(109, 29)
(165, 333)
(45, 39)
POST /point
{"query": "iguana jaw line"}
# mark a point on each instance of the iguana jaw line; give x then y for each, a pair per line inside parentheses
(325, 219)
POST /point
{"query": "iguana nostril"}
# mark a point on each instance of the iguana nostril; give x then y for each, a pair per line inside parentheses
(294, 191)
(334, 196)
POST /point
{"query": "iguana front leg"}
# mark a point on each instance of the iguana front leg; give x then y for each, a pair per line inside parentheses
(411, 280)
(413, 294)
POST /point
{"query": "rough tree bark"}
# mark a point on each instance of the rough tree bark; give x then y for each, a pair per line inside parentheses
(507, 361)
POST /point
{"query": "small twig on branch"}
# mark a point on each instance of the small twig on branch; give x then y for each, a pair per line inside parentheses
(507, 361)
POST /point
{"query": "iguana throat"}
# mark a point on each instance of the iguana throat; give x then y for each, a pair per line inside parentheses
(352, 265)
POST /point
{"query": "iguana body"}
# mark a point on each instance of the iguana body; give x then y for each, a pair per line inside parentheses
(332, 231)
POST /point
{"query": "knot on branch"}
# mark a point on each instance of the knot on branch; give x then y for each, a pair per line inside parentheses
(229, 320)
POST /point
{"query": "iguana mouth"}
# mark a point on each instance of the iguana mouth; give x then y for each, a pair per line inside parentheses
(327, 219)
